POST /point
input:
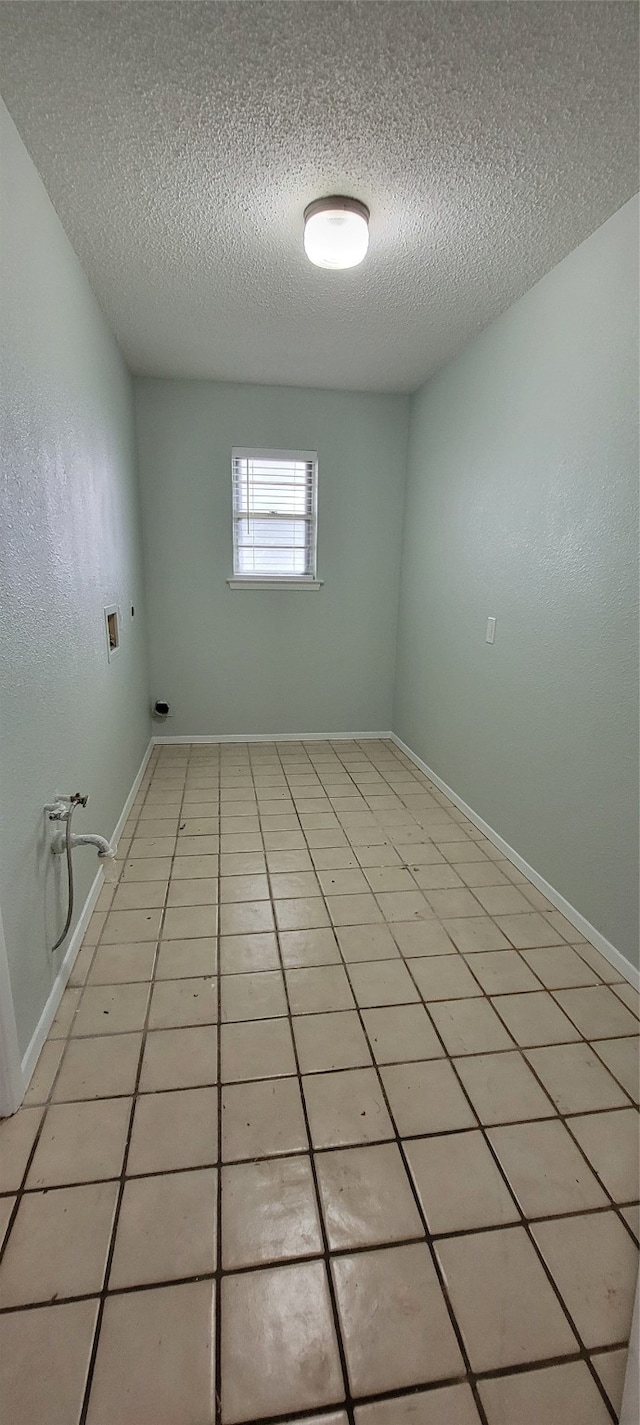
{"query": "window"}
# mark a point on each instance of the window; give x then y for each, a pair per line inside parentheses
(274, 517)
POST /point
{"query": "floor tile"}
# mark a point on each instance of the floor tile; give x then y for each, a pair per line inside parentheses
(201, 891)
(283, 862)
(80, 1142)
(64, 1014)
(469, 1026)
(257, 1049)
(44, 1073)
(382, 982)
(400, 1033)
(302, 913)
(346, 1107)
(99, 1068)
(408, 1339)
(366, 1197)
(269, 1212)
(622, 1057)
(419, 938)
(444, 977)
(451, 1405)
(166, 1228)
(458, 1183)
(502, 900)
(546, 1171)
(176, 1129)
(437, 878)
(629, 996)
(302, 948)
(242, 953)
(560, 967)
(390, 878)
(335, 1418)
(528, 931)
(138, 895)
(243, 888)
(354, 909)
(179, 1059)
(151, 847)
(154, 1361)
(119, 964)
(611, 1368)
(249, 996)
(153, 868)
(262, 1120)
(544, 1397)
(295, 885)
(476, 934)
(366, 942)
(426, 1098)
(631, 1216)
(58, 1244)
(111, 1009)
(503, 1089)
(454, 904)
(482, 873)
(179, 959)
(505, 1307)
(610, 1141)
(293, 1364)
(594, 1264)
(191, 922)
(177, 1003)
(501, 974)
(384, 855)
(314, 991)
(44, 1360)
(209, 845)
(575, 1078)
(535, 1019)
(187, 868)
(81, 966)
(330, 1041)
(238, 863)
(597, 1012)
(122, 926)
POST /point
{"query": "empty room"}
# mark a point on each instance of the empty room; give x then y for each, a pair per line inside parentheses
(319, 742)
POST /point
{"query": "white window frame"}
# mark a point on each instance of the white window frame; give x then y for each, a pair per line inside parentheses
(278, 581)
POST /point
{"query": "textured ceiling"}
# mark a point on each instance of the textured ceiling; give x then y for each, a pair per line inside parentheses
(180, 143)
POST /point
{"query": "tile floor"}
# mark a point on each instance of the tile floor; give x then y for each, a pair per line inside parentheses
(337, 1122)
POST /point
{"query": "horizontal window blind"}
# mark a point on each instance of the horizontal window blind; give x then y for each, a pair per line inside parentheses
(274, 513)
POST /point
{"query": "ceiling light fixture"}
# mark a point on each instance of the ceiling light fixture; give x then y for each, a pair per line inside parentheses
(336, 232)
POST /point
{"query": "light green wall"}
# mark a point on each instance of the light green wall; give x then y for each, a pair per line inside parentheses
(241, 661)
(522, 502)
(70, 544)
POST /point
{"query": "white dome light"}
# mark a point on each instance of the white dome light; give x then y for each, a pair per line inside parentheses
(336, 232)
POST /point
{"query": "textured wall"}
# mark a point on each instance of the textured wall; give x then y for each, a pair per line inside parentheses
(70, 545)
(522, 503)
(242, 661)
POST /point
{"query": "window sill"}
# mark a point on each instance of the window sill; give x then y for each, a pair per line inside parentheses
(252, 582)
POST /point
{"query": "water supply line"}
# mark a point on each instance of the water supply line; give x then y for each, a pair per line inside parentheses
(62, 810)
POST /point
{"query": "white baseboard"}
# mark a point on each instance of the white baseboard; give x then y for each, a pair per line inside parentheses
(278, 737)
(12, 1085)
(45, 1021)
(614, 956)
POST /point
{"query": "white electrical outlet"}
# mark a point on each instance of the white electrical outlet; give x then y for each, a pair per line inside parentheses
(490, 635)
